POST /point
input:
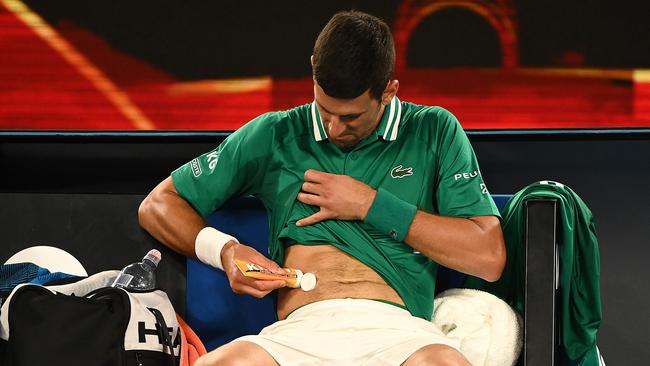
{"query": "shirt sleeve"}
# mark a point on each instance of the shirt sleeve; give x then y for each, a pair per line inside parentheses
(233, 169)
(461, 191)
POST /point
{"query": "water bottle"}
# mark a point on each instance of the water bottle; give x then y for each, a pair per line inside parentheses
(139, 276)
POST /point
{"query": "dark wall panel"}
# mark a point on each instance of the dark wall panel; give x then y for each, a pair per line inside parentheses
(100, 230)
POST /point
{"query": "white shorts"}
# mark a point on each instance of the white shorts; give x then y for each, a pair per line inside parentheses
(348, 332)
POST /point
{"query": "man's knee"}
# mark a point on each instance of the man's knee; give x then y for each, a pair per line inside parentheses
(219, 358)
(437, 355)
(236, 354)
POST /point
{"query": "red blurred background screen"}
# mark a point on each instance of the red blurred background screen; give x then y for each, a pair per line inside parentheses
(213, 65)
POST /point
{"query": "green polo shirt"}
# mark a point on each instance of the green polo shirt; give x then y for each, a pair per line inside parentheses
(418, 153)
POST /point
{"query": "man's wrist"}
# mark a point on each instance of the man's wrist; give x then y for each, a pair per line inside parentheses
(365, 208)
(391, 215)
(226, 248)
(209, 245)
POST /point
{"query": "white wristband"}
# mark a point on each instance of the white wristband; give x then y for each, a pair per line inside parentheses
(208, 245)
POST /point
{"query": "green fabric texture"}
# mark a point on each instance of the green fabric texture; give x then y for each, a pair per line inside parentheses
(579, 291)
(391, 215)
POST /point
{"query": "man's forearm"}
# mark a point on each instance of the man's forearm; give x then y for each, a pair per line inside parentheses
(171, 220)
(474, 246)
(470, 245)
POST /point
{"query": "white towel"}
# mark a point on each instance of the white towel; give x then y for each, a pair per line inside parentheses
(489, 330)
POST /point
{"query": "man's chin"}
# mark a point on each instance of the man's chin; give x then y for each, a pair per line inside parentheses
(344, 143)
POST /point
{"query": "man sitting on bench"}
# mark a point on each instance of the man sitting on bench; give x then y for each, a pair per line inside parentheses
(367, 192)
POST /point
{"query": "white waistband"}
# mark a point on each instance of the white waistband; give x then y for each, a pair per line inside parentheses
(347, 305)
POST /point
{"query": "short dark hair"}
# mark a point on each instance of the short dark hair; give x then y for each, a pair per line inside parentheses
(353, 53)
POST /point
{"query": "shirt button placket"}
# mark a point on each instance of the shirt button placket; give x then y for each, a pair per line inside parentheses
(350, 156)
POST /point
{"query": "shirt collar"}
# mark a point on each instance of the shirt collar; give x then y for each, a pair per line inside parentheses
(389, 124)
(318, 129)
(387, 128)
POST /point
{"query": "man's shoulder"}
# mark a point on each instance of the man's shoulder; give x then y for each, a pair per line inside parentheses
(278, 123)
(296, 114)
(425, 112)
(430, 118)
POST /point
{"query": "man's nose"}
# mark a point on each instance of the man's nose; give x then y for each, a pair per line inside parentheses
(335, 127)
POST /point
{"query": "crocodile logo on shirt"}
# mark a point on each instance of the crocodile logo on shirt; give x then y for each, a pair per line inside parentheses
(401, 172)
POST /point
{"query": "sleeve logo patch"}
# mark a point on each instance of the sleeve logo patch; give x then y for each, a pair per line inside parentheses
(196, 168)
(213, 158)
(471, 175)
(401, 172)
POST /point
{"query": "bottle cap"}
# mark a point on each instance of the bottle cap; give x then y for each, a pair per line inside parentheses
(308, 281)
(154, 256)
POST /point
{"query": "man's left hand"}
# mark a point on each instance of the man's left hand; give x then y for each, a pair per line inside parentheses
(338, 196)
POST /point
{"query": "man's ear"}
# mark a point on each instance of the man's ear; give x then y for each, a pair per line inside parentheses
(389, 92)
(311, 59)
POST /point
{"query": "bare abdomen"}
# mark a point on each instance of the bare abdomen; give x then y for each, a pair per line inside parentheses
(338, 275)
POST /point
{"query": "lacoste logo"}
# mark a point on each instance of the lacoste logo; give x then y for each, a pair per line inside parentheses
(400, 172)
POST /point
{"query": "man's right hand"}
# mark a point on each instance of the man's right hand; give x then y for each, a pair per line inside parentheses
(241, 284)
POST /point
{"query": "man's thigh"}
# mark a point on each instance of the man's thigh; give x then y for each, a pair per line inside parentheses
(436, 355)
(237, 353)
